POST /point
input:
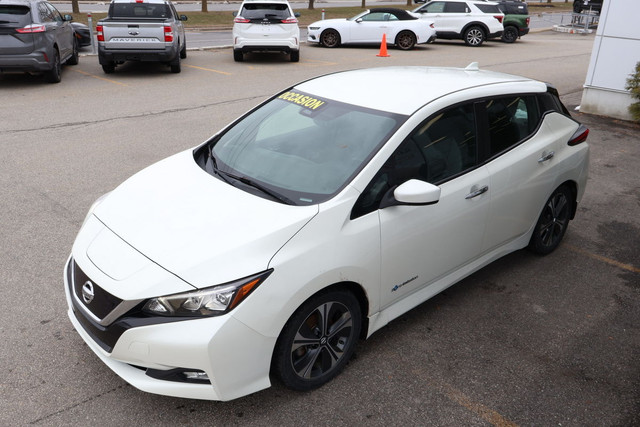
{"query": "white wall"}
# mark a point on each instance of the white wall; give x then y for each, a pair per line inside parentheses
(616, 50)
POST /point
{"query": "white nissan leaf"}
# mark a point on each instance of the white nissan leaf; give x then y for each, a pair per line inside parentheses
(267, 252)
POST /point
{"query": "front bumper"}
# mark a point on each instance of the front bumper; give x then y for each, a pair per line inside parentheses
(235, 358)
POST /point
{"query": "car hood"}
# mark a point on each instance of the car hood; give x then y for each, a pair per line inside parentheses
(199, 228)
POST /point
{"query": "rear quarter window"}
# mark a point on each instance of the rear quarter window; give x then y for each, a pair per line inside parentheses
(488, 8)
(511, 120)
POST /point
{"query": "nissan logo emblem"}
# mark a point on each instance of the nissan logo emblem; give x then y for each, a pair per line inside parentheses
(87, 292)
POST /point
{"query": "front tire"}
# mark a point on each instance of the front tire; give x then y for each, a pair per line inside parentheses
(318, 340)
(553, 222)
(577, 8)
(74, 59)
(405, 40)
(474, 36)
(330, 38)
(510, 34)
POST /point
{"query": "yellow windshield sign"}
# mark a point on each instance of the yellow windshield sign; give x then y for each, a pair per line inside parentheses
(302, 100)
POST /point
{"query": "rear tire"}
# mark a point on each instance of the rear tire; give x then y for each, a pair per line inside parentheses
(175, 65)
(54, 75)
(109, 67)
(238, 56)
(510, 34)
(553, 221)
(405, 40)
(474, 36)
(294, 56)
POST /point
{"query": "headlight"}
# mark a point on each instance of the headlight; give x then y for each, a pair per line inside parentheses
(212, 301)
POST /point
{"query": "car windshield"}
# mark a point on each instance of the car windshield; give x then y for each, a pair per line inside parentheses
(300, 148)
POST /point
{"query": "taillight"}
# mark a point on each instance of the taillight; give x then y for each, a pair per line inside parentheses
(241, 20)
(499, 18)
(528, 20)
(33, 28)
(290, 20)
(579, 136)
(168, 34)
(431, 25)
(100, 31)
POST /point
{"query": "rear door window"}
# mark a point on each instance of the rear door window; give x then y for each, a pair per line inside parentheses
(511, 120)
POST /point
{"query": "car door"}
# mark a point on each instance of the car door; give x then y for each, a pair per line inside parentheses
(448, 17)
(420, 244)
(369, 28)
(522, 152)
(63, 31)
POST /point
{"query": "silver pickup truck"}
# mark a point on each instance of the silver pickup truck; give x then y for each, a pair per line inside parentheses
(141, 30)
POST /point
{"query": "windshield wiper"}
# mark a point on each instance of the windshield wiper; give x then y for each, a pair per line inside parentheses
(247, 181)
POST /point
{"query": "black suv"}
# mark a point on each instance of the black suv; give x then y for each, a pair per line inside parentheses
(580, 5)
(516, 20)
(35, 37)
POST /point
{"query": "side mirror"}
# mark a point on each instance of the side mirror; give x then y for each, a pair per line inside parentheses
(235, 14)
(412, 193)
(183, 17)
(359, 20)
(67, 18)
(296, 14)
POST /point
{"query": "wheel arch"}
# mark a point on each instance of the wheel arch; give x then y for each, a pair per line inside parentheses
(482, 25)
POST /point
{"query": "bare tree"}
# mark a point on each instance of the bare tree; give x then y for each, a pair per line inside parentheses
(311, 2)
(74, 6)
(204, 6)
(363, 5)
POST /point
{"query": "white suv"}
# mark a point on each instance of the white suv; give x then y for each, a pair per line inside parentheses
(472, 21)
(266, 26)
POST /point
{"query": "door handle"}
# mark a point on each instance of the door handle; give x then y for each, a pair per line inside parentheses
(546, 157)
(476, 193)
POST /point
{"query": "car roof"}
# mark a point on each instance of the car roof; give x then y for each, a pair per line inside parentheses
(144, 1)
(401, 14)
(404, 90)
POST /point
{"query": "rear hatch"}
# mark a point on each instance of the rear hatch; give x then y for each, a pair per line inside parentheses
(16, 37)
(136, 26)
(266, 20)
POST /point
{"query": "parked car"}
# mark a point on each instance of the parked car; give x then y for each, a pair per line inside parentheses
(471, 21)
(315, 219)
(266, 26)
(401, 28)
(82, 33)
(35, 38)
(144, 30)
(516, 20)
(580, 6)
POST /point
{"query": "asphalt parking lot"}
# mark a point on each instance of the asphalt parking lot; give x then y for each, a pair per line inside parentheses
(525, 341)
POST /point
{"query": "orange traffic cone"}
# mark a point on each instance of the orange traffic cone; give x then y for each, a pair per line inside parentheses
(383, 47)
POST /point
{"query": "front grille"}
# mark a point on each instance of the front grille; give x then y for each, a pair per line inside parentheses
(102, 302)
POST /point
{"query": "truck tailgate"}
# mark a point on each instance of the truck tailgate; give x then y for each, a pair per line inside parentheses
(129, 35)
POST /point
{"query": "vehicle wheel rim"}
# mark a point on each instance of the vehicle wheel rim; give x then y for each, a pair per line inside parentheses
(321, 340)
(330, 39)
(474, 37)
(405, 41)
(510, 34)
(554, 220)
